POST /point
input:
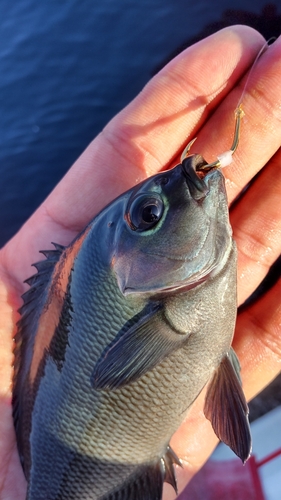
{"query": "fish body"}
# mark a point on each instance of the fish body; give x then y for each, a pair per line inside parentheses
(120, 332)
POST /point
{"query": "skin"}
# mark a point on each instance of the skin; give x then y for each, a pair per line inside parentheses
(195, 95)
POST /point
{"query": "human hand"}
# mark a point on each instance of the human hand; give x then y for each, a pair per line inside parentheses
(196, 94)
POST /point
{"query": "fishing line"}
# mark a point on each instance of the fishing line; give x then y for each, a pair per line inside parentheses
(260, 53)
(224, 159)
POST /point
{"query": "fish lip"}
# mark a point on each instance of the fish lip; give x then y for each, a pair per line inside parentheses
(196, 184)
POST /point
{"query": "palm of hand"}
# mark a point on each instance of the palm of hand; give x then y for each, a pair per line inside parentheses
(138, 142)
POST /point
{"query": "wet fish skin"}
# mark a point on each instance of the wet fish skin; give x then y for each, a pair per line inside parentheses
(120, 332)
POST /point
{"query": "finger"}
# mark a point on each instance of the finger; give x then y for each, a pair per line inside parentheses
(9, 459)
(256, 224)
(139, 141)
(260, 134)
(147, 134)
(258, 345)
(257, 341)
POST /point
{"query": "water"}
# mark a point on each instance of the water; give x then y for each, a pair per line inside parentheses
(66, 67)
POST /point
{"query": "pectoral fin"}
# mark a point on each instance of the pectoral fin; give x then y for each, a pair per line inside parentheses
(140, 349)
(227, 409)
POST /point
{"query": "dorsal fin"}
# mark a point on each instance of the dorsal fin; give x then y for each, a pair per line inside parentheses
(169, 459)
(37, 282)
(26, 327)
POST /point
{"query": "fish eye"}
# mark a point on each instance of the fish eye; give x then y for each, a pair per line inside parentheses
(144, 211)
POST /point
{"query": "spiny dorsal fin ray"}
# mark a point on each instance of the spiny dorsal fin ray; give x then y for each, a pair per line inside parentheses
(169, 459)
(38, 282)
(227, 409)
(25, 333)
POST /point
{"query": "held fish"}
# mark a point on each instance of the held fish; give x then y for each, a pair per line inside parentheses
(119, 333)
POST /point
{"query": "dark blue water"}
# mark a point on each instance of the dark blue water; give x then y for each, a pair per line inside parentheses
(67, 66)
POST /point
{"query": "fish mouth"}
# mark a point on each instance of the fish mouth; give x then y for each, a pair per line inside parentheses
(194, 176)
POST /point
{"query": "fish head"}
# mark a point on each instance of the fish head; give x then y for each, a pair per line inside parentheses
(174, 230)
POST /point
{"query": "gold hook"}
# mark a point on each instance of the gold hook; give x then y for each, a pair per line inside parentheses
(225, 158)
(187, 149)
(239, 113)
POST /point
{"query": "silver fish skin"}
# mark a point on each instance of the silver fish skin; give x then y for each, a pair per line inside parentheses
(120, 331)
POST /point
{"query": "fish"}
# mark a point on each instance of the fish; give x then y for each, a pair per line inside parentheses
(119, 333)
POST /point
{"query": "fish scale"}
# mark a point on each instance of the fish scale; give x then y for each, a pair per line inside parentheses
(134, 318)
